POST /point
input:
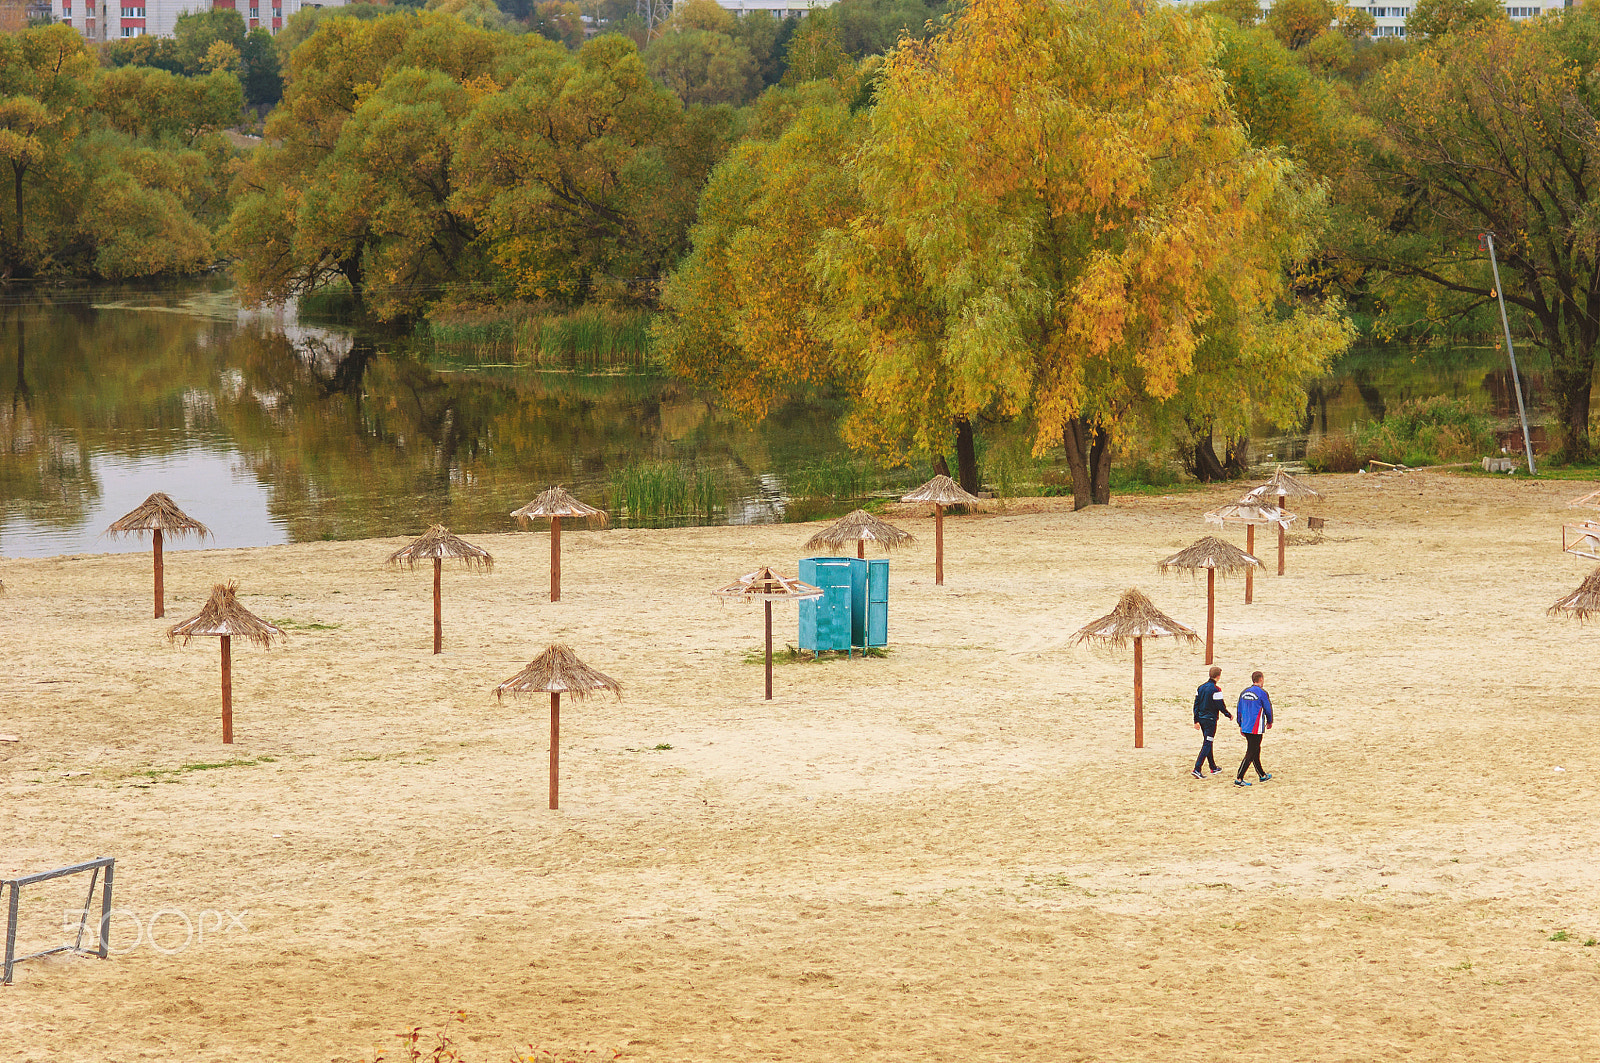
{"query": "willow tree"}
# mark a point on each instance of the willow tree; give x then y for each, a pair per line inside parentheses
(1059, 208)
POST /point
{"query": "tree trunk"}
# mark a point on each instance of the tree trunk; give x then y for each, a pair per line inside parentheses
(1573, 388)
(1236, 462)
(966, 456)
(940, 466)
(1089, 457)
(351, 268)
(1204, 465)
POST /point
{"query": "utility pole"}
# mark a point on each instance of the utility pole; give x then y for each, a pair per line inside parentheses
(1487, 240)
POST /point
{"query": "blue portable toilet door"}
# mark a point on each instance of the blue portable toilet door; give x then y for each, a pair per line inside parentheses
(877, 604)
(825, 622)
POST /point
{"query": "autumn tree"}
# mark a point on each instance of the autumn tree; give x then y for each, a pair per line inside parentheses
(1300, 23)
(1435, 18)
(1060, 211)
(1495, 129)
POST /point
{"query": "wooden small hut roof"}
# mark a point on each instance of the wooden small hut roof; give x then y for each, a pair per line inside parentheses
(765, 585)
(158, 513)
(1211, 552)
(1134, 617)
(556, 502)
(558, 671)
(857, 527)
(1583, 603)
(1283, 484)
(1249, 511)
(1592, 500)
(223, 615)
(438, 542)
(941, 491)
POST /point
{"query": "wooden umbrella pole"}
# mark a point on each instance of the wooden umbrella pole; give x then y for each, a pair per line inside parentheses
(438, 614)
(938, 545)
(768, 604)
(1282, 535)
(861, 549)
(555, 559)
(1211, 609)
(161, 592)
(555, 749)
(1249, 573)
(1138, 693)
(227, 690)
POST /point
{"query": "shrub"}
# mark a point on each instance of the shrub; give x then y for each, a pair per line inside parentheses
(1430, 431)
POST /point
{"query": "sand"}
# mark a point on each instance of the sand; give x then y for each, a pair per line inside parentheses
(953, 853)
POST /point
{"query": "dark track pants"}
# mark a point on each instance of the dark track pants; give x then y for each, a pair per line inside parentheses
(1252, 755)
(1209, 729)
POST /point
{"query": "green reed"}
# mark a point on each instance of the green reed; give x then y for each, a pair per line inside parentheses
(665, 492)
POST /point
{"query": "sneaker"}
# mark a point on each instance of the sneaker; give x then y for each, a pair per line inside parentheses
(1197, 775)
(1241, 782)
(1267, 776)
(1216, 771)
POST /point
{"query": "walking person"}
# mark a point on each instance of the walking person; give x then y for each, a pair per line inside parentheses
(1255, 719)
(1208, 702)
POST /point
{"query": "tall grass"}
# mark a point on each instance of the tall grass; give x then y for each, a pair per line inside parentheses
(590, 337)
(654, 493)
(1431, 431)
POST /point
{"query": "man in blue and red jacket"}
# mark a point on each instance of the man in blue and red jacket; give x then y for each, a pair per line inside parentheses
(1255, 719)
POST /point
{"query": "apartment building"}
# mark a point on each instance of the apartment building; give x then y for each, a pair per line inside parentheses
(1391, 17)
(109, 20)
(777, 8)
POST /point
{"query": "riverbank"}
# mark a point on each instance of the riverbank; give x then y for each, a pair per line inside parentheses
(953, 852)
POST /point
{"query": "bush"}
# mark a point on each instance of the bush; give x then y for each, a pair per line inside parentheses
(1429, 431)
(1334, 454)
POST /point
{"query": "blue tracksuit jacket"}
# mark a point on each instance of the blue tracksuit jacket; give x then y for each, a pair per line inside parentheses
(1209, 702)
(1255, 711)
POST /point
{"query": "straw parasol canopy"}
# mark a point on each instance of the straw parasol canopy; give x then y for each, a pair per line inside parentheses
(160, 516)
(1251, 513)
(1214, 556)
(557, 671)
(1136, 618)
(438, 545)
(1284, 487)
(766, 586)
(553, 505)
(941, 491)
(223, 617)
(1583, 603)
(860, 528)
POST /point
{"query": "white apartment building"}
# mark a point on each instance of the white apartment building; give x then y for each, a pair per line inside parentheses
(1391, 18)
(777, 8)
(109, 20)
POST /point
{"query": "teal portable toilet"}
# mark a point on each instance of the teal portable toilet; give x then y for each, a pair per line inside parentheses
(869, 602)
(826, 623)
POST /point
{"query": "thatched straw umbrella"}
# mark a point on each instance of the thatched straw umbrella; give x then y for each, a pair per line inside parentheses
(766, 586)
(1583, 603)
(1214, 555)
(555, 504)
(159, 515)
(224, 617)
(941, 491)
(437, 543)
(1136, 618)
(557, 671)
(1250, 513)
(1285, 487)
(859, 527)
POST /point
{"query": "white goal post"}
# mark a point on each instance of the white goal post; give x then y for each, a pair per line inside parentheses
(102, 949)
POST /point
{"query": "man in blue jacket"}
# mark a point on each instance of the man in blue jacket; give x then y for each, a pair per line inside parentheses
(1208, 702)
(1255, 719)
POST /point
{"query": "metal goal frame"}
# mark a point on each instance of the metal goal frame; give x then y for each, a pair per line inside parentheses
(104, 863)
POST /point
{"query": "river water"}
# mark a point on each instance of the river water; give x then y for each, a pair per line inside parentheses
(272, 430)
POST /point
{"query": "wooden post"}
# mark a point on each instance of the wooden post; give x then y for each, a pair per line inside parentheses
(1282, 535)
(555, 559)
(1211, 608)
(938, 545)
(161, 593)
(438, 627)
(1138, 693)
(555, 749)
(1249, 573)
(861, 549)
(227, 691)
(768, 604)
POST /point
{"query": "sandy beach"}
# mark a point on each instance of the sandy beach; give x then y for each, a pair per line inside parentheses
(952, 853)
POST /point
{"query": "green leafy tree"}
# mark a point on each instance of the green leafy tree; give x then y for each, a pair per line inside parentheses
(261, 71)
(197, 33)
(557, 20)
(1494, 130)
(1436, 18)
(1297, 23)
